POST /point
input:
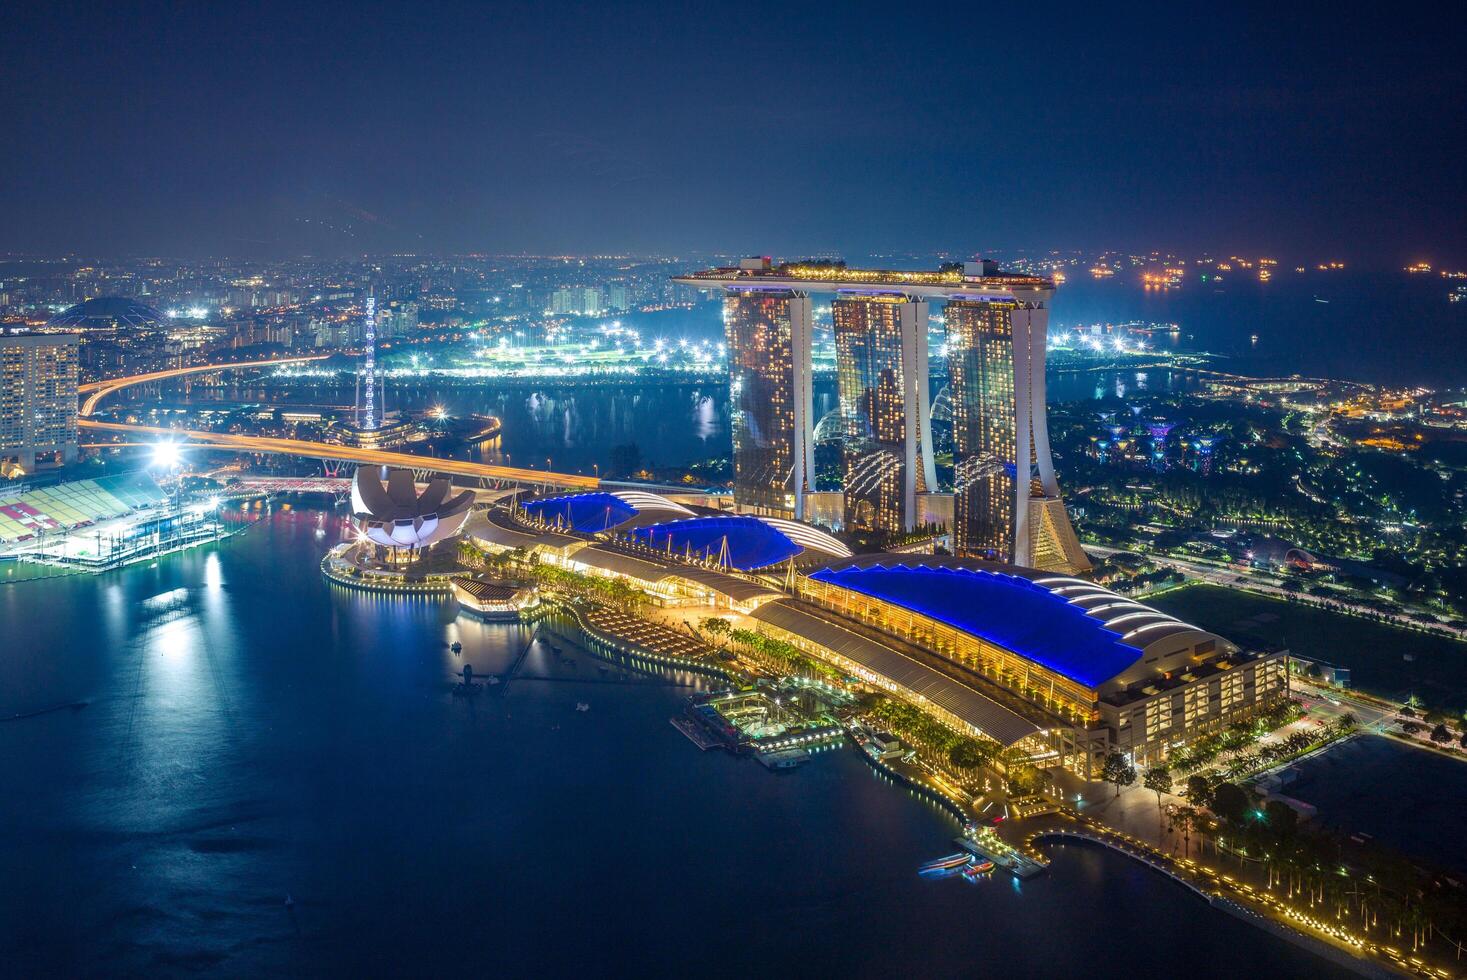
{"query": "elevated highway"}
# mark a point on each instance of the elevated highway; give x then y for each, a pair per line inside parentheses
(349, 454)
(98, 390)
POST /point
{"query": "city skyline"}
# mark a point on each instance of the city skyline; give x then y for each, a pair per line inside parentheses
(935, 487)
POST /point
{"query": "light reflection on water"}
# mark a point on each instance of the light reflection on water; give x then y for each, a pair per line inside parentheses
(254, 732)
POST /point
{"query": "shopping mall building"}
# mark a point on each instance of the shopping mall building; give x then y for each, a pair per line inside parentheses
(1061, 668)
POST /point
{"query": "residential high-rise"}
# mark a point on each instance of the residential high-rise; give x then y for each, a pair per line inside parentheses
(38, 378)
(1007, 504)
(768, 333)
(881, 371)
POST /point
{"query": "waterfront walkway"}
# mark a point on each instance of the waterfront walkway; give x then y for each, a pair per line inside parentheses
(1240, 893)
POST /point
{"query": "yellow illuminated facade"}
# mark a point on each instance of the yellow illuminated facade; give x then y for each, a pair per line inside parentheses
(981, 379)
(768, 335)
(880, 344)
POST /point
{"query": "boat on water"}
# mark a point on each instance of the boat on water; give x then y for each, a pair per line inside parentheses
(582, 706)
(949, 863)
(977, 870)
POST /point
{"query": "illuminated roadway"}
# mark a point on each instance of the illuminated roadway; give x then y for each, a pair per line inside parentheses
(303, 447)
(97, 390)
(350, 454)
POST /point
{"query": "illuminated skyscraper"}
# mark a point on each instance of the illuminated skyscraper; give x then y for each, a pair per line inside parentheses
(1007, 505)
(881, 367)
(768, 333)
(38, 375)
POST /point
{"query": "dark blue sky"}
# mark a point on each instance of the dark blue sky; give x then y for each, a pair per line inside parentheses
(281, 128)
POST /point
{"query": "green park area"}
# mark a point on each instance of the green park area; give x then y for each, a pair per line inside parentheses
(1384, 660)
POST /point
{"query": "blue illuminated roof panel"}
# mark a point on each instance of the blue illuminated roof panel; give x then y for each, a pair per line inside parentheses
(751, 543)
(1006, 610)
(584, 512)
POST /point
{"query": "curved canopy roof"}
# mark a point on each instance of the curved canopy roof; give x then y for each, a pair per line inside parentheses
(751, 543)
(588, 513)
(592, 513)
(1012, 611)
(108, 311)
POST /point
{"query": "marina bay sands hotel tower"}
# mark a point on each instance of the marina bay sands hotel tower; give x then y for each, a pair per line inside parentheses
(1005, 504)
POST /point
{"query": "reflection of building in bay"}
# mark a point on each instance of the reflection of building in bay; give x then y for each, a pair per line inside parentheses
(881, 366)
(768, 334)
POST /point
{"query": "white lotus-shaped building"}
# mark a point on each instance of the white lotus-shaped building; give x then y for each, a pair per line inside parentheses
(395, 515)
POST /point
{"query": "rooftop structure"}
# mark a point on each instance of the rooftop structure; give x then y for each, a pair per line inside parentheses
(108, 313)
(745, 543)
(1020, 614)
(584, 512)
(971, 279)
(1113, 671)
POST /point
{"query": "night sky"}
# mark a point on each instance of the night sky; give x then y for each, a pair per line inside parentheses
(276, 129)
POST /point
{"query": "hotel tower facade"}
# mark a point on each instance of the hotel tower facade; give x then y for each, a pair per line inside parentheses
(881, 371)
(768, 334)
(1006, 502)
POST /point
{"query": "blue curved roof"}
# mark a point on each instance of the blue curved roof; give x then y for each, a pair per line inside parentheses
(751, 543)
(584, 512)
(1007, 610)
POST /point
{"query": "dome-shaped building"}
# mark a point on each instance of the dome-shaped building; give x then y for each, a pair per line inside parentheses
(109, 313)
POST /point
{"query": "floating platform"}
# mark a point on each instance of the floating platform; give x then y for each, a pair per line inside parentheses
(697, 734)
(1012, 861)
(782, 758)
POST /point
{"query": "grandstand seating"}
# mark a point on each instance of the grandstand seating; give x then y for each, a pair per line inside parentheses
(64, 506)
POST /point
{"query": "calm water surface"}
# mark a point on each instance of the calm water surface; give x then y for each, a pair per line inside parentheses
(252, 732)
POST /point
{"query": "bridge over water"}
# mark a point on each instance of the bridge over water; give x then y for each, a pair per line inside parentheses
(421, 465)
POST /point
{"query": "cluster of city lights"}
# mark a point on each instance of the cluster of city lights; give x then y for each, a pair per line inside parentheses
(1086, 340)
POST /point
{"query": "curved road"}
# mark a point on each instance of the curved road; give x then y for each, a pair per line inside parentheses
(301, 447)
(98, 390)
(351, 454)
